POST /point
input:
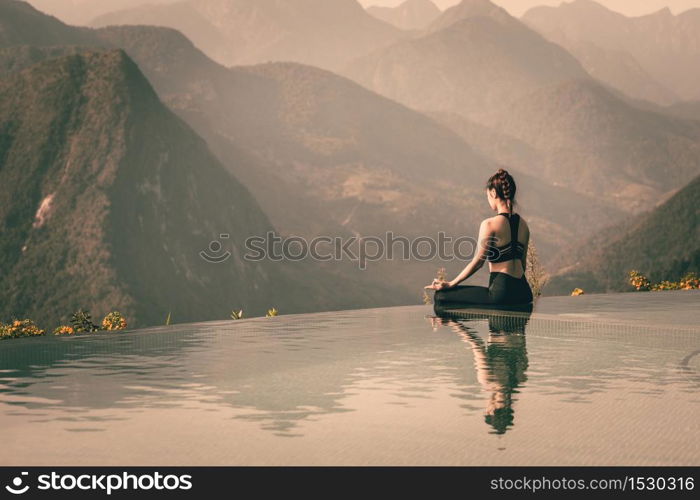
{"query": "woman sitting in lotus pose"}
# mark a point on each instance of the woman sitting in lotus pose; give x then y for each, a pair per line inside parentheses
(503, 242)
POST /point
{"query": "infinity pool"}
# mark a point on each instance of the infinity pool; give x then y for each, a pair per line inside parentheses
(591, 380)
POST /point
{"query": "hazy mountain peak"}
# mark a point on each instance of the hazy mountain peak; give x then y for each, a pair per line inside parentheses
(112, 66)
(474, 8)
(587, 8)
(22, 24)
(585, 4)
(409, 15)
(167, 54)
(410, 4)
(469, 9)
(664, 12)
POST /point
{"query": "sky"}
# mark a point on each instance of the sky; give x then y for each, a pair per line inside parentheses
(518, 7)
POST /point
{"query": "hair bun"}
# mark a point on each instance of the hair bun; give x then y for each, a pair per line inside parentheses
(504, 184)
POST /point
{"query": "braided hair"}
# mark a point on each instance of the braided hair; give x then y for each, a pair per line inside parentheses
(504, 185)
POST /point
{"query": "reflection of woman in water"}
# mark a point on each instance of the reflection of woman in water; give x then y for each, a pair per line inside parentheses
(501, 362)
(503, 243)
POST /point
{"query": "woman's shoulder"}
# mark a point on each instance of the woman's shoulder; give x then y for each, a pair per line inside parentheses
(497, 221)
(489, 221)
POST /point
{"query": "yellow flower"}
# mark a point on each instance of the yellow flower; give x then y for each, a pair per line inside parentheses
(114, 321)
(64, 330)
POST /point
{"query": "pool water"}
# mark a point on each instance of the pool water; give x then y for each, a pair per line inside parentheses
(592, 380)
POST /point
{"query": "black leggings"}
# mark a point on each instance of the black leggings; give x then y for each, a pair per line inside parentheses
(503, 289)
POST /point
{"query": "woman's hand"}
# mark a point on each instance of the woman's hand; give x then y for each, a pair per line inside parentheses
(438, 285)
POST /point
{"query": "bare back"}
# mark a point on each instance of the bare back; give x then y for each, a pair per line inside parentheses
(500, 231)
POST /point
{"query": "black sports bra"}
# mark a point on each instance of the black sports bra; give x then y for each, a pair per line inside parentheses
(511, 251)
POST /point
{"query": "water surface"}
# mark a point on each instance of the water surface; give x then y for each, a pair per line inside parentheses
(602, 380)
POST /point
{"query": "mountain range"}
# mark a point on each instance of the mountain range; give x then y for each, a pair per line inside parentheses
(472, 58)
(480, 63)
(324, 33)
(665, 46)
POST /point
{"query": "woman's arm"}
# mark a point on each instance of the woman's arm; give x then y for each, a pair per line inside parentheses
(482, 247)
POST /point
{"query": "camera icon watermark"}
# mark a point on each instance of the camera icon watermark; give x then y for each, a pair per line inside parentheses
(17, 487)
(215, 253)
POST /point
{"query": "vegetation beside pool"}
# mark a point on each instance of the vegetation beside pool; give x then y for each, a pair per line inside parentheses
(81, 322)
(20, 328)
(641, 283)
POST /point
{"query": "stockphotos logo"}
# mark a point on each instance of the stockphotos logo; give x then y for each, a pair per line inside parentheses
(17, 486)
(103, 483)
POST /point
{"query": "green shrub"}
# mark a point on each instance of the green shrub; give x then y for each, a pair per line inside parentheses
(82, 322)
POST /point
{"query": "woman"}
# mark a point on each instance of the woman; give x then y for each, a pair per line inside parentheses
(503, 243)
